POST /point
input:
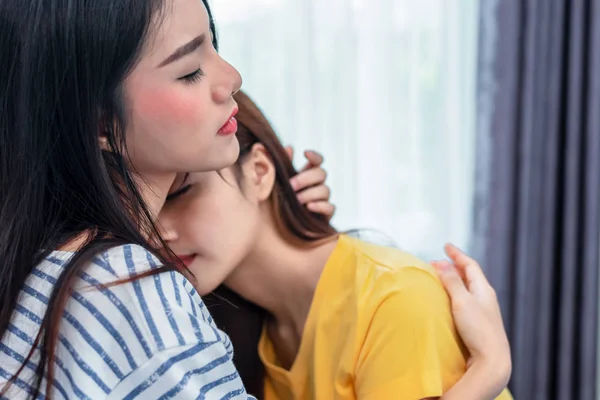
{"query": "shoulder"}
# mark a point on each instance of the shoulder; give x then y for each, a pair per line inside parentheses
(136, 316)
(126, 260)
(409, 343)
(382, 265)
(114, 323)
(389, 280)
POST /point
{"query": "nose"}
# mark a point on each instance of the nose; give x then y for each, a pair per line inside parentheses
(168, 232)
(230, 84)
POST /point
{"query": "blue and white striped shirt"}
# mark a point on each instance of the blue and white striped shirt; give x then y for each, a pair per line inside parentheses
(151, 338)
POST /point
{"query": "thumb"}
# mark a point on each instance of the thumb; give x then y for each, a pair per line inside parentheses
(451, 280)
(290, 152)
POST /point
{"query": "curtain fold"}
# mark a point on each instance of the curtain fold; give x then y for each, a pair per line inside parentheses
(537, 213)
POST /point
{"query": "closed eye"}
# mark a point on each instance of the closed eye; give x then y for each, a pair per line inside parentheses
(194, 77)
(179, 192)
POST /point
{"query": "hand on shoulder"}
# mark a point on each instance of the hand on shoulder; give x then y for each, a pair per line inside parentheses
(478, 320)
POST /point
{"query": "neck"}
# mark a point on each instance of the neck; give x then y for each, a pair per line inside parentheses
(153, 189)
(282, 277)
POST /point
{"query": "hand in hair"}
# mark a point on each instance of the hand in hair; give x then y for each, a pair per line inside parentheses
(478, 320)
(310, 185)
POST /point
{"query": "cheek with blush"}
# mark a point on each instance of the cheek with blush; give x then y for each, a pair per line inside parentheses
(172, 107)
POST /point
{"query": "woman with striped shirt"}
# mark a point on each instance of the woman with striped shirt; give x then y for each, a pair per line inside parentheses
(103, 103)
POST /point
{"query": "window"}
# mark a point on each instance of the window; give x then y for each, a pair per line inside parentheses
(385, 90)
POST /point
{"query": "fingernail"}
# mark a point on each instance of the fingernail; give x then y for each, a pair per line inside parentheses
(443, 266)
(293, 184)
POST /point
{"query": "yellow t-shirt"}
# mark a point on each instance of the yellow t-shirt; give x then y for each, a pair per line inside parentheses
(379, 327)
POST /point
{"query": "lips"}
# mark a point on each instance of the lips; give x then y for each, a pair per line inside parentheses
(187, 259)
(230, 127)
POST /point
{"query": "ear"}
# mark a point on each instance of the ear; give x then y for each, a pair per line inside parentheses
(259, 171)
(103, 133)
(103, 140)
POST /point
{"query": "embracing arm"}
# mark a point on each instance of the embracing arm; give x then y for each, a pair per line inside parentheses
(478, 320)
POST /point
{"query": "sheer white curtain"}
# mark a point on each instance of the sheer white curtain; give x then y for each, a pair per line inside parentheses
(385, 89)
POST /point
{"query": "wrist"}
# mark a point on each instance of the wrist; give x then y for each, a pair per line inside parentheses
(492, 375)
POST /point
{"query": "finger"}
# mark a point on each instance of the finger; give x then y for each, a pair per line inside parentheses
(311, 177)
(457, 255)
(290, 152)
(322, 207)
(459, 271)
(471, 269)
(313, 159)
(313, 194)
(451, 280)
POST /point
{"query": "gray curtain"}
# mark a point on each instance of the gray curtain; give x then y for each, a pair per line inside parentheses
(538, 197)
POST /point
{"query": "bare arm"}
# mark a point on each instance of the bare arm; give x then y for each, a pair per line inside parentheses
(478, 319)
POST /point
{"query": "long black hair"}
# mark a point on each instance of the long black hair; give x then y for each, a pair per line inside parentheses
(62, 66)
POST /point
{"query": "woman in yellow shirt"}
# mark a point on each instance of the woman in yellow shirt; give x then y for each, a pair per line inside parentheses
(344, 319)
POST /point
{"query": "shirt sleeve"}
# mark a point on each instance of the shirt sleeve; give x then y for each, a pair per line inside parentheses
(202, 370)
(411, 349)
(177, 350)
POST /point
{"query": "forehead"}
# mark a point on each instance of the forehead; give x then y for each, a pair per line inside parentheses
(180, 22)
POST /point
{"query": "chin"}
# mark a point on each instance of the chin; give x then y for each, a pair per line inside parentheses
(208, 277)
(205, 284)
(232, 153)
(203, 290)
(224, 156)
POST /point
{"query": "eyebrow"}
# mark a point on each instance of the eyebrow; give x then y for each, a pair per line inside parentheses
(184, 50)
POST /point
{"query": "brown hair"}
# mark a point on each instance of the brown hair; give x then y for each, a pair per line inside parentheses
(240, 319)
(294, 220)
